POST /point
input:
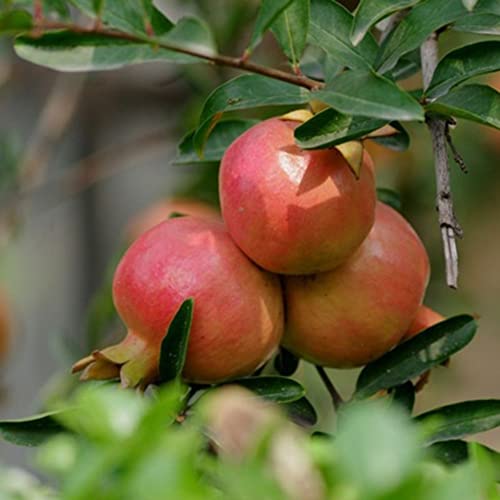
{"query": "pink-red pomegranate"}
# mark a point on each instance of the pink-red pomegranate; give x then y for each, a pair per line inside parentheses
(238, 310)
(290, 210)
(352, 315)
(425, 318)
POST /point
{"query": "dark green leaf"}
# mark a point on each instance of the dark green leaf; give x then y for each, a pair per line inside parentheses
(245, 92)
(415, 356)
(127, 15)
(462, 64)
(425, 18)
(301, 411)
(330, 30)
(390, 197)
(469, 4)
(404, 396)
(223, 134)
(31, 431)
(175, 215)
(398, 141)
(366, 93)
(370, 12)
(478, 103)
(268, 13)
(174, 344)
(290, 29)
(330, 127)
(486, 24)
(407, 66)
(97, 6)
(277, 389)
(461, 419)
(13, 22)
(285, 362)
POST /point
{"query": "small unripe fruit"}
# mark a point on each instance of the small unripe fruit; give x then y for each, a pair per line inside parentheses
(425, 318)
(238, 310)
(352, 315)
(290, 210)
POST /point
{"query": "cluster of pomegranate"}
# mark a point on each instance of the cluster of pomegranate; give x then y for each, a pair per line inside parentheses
(304, 257)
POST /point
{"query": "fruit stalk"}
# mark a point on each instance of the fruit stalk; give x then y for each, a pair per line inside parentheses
(450, 228)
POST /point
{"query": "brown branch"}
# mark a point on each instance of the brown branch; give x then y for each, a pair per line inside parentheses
(336, 397)
(457, 157)
(450, 228)
(218, 59)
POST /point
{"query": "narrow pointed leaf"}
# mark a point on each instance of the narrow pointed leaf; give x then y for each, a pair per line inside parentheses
(273, 388)
(191, 33)
(389, 197)
(268, 13)
(366, 93)
(370, 12)
(223, 134)
(330, 29)
(330, 128)
(462, 64)
(31, 431)
(13, 22)
(478, 103)
(485, 24)
(301, 411)
(469, 4)
(286, 363)
(291, 28)
(461, 419)
(174, 345)
(417, 355)
(425, 18)
(404, 396)
(245, 92)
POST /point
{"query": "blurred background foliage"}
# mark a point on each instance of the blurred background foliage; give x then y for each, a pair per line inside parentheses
(81, 155)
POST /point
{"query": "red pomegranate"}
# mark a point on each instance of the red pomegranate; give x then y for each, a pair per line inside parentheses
(238, 310)
(425, 318)
(290, 210)
(352, 315)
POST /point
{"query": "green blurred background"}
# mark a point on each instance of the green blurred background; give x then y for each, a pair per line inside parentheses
(80, 155)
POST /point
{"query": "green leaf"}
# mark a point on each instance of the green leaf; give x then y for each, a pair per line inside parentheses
(404, 396)
(461, 419)
(407, 66)
(245, 92)
(31, 431)
(462, 64)
(65, 51)
(13, 22)
(301, 411)
(469, 4)
(370, 12)
(291, 28)
(269, 11)
(366, 93)
(478, 103)
(389, 197)
(272, 388)
(127, 15)
(415, 356)
(330, 30)
(223, 134)
(397, 142)
(425, 18)
(330, 127)
(174, 345)
(286, 363)
(485, 24)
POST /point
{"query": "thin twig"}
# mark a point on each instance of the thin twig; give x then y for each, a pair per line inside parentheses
(218, 59)
(336, 397)
(391, 22)
(450, 228)
(457, 157)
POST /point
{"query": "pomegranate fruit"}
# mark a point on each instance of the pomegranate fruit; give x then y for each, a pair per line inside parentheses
(352, 315)
(425, 318)
(161, 209)
(290, 210)
(238, 308)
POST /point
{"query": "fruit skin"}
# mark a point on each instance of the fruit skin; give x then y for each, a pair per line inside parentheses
(161, 209)
(293, 211)
(238, 308)
(425, 318)
(352, 315)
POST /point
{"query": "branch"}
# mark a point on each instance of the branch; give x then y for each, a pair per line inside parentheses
(450, 228)
(218, 59)
(336, 397)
